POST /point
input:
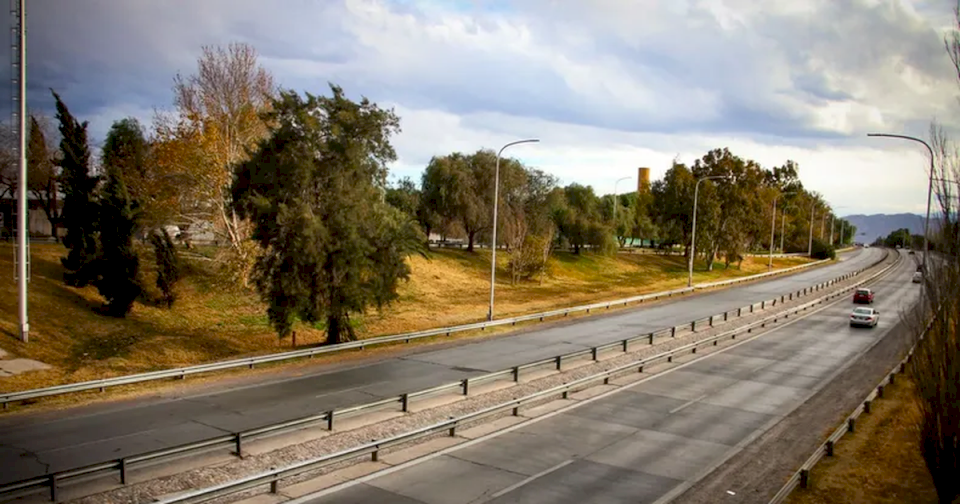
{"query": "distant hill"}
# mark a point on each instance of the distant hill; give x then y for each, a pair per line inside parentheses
(869, 227)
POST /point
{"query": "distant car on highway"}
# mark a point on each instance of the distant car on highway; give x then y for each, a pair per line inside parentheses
(917, 276)
(864, 317)
(863, 296)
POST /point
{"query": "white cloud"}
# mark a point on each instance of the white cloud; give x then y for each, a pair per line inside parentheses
(608, 85)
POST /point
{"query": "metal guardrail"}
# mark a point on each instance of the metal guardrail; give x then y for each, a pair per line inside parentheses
(250, 362)
(801, 478)
(372, 449)
(235, 440)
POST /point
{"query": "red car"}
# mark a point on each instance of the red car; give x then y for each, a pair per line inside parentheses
(863, 296)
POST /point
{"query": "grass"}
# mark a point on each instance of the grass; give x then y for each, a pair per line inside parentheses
(880, 462)
(213, 320)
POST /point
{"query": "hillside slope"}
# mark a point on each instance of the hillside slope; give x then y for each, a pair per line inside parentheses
(214, 321)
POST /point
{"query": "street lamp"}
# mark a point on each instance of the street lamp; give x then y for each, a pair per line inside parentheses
(616, 204)
(783, 224)
(833, 229)
(496, 196)
(773, 226)
(926, 222)
(813, 207)
(615, 198)
(693, 232)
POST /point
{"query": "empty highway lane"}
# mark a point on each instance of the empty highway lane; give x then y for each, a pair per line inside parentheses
(647, 442)
(33, 445)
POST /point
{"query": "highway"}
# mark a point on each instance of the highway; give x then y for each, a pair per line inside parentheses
(650, 441)
(33, 445)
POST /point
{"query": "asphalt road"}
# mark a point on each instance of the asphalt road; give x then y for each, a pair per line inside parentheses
(650, 441)
(36, 445)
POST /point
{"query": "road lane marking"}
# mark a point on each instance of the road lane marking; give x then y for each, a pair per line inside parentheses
(531, 478)
(688, 403)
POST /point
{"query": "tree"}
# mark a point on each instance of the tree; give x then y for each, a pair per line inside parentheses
(674, 205)
(168, 265)
(118, 266)
(580, 221)
(42, 176)
(220, 116)
(79, 202)
(331, 247)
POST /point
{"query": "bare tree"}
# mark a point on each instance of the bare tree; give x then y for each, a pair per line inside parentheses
(219, 119)
(43, 172)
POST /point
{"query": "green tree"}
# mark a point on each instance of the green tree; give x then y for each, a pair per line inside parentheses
(168, 265)
(330, 246)
(79, 202)
(580, 220)
(117, 265)
(674, 205)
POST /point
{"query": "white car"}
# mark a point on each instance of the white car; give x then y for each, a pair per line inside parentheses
(864, 317)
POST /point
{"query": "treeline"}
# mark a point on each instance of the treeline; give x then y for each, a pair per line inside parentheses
(294, 188)
(454, 198)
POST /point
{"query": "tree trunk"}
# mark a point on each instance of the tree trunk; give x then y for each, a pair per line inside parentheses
(470, 236)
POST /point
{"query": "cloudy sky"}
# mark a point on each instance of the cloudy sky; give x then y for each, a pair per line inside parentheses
(606, 85)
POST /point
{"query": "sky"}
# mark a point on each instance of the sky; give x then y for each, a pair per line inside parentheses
(607, 86)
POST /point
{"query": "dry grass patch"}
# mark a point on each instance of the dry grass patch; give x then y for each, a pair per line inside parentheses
(213, 320)
(880, 462)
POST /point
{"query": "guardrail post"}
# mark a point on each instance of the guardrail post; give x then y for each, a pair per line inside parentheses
(123, 471)
(880, 392)
(593, 353)
(559, 359)
(740, 312)
(53, 487)
(466, 386)
(782, 299)
(851, 424)
(791, 296)
(804, 478)
(892, 376)
(693, 326)
(330, 420)
(275, 483)
(903, 368)
(763, 305)
(238, 443)
(516, 373)
(453, 429)
(673, 332)
(651, 338)
(404, 402)
(725, 316)
(710, 322)
(829, 448)
(866, 406)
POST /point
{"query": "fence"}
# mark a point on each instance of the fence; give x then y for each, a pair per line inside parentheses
(403, 401)
(250, 362)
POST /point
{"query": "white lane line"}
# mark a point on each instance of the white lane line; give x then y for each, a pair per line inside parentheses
(688, 403)
(531, 478)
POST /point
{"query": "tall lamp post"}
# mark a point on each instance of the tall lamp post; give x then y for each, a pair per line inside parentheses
(496, 196)
(926, 222)
(783, 224)
(813, 206)
(773, 227)
(615, 202)
(693, 232)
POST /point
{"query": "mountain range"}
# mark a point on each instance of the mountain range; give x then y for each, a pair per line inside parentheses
(869, 227)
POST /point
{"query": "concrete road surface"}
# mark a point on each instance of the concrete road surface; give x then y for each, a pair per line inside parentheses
(650, 441)
(33, 445)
